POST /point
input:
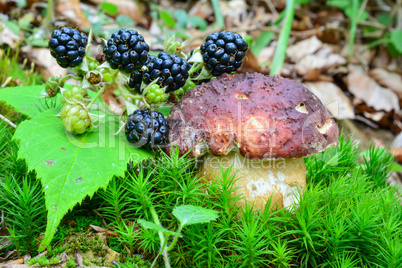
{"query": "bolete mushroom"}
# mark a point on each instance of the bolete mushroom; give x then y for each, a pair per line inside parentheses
(262, 125)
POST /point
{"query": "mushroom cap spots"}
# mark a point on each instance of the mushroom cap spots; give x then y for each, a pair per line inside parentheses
(262, 117)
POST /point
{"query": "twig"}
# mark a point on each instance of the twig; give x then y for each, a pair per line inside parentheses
(103, 219)
(8, 121)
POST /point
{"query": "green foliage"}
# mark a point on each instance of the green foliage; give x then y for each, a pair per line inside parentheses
(16, 73)
(23, 202)
(63, 168)
(25, 100)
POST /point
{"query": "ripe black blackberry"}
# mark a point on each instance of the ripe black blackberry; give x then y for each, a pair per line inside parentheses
(171, 70)
(136, 78)
(223, 52)
(126, 50)
(145, 128)
(67, 46)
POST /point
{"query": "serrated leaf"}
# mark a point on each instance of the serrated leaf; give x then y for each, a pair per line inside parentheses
(396, 39)
(153, 226)
(25, 100)
(72, 167)
(188, 214)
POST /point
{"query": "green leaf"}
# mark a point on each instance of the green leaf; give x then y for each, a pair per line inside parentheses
(396, 39)
(350, 12)
(167, 18)
(262, 41)
(124, 20)
(72, 167)
(395, 167)
(153, 226)
(109, 8)
(25, 100)
(165, 110)
(198, 22)
(181, 18)
(340, 3)
(188, 214)
(13, 26)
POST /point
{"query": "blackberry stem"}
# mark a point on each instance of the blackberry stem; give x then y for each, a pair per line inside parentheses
(195, 68)
(64, 79)
(98, 94)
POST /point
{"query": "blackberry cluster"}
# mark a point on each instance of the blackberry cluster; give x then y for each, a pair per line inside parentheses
(126, 50)
(223, 52)
(171, 70)
(67, 46)
(145, 128)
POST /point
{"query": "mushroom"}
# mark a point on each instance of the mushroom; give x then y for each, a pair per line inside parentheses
(262, 125)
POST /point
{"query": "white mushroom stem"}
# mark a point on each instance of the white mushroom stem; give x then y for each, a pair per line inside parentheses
(283, 179)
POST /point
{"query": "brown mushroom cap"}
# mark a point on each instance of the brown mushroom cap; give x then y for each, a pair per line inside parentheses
(263, 117)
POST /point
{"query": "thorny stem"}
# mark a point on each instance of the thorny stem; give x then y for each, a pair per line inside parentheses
(7, 121)
(161, 236)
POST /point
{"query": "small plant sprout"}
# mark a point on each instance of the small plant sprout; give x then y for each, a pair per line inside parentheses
(186, 215)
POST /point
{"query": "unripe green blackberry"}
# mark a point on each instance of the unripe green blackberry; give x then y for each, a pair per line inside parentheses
(75, 94)
(75, 118)
(155, 94)
(187, 87)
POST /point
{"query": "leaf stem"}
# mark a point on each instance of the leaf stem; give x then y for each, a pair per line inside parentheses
(175, 238)
(161, 236)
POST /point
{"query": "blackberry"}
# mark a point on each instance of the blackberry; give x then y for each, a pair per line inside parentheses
(67, 46)
(136, 78)
(126, 50)
(190, 84)
(155, 94)
(75, 118)
(171, 70)
(145, 128)
(75, 93)
(223, 52)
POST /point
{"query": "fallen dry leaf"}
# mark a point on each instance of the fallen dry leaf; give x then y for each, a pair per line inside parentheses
(234, 12)
(45, 63)
(387, 79)
(71, 10)
(397, 153)
(366, 88)
(103, 230)
(303, 48)
(322, 60)
(333, 98)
